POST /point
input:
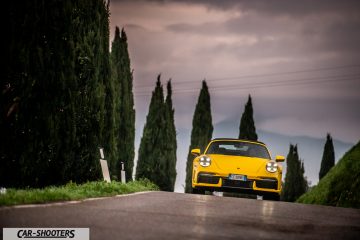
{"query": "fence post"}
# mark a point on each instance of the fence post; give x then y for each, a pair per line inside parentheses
(123, 174)
(104, 166)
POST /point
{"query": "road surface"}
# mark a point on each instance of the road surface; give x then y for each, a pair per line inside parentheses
(163, 215)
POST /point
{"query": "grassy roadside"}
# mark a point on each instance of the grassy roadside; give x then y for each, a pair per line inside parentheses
(73, 191)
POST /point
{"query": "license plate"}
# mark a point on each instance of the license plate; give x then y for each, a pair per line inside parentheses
(237, 177)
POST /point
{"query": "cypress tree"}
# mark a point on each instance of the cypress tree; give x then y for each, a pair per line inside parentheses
(201, 132)
(171, 144)
(247, 125)
(127, 111)
(124, 113)
(288, 188)
(92, 70)
(151, 163)
(114, 104)
(301, 182)
(295, 182)
(157, 152)
(328, 158)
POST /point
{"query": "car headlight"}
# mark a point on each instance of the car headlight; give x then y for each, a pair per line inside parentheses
(271, 167)
(205, 161)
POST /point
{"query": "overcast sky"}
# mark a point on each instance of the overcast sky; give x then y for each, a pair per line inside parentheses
(299, 60)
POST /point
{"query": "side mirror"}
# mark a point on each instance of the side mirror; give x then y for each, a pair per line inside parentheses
(195, 151)
(279, 158)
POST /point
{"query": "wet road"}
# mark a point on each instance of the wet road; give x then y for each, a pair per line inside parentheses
(163, 215)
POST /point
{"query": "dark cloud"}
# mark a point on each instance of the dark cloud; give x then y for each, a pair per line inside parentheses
(300, 8)
(134, 27)
(330, 28)
(192, 40)
(278, 7)
(343, 36)
(185, 27)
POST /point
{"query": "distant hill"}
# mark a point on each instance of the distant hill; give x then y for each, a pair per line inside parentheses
(310, 150)
(340, 187)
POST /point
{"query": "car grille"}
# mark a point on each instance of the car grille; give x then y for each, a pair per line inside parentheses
(204, 178)
(237, 184)
(268, 183)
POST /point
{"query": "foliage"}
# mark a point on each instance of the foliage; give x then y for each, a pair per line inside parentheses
(201, 132)
(171, 144)
(123, 107)
(340, 186)
(328, 158)
(247, 128)
(53, 98)
(73, 191)
(295, 182)
(157, 151)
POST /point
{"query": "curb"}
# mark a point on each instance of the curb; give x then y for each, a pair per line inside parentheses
(50, 204)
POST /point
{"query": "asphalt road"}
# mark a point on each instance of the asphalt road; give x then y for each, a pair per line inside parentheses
(163, 215)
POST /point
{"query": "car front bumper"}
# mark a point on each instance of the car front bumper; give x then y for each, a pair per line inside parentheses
(253, 184)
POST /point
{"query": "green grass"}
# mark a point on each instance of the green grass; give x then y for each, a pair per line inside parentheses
(73, 191)
(340, 187)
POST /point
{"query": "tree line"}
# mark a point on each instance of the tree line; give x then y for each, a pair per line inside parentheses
(64, 94)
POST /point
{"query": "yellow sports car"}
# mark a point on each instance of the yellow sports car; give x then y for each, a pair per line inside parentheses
(234, 165)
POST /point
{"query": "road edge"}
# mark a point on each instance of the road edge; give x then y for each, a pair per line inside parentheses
(61, 203)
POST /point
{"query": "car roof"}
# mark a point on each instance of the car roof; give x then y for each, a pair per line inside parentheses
(237, 139)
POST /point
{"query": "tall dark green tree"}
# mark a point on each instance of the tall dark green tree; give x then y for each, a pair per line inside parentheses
(295, 181)
(328, 158)
(124, 113)
(56, 75)
(247, 125)
(150, 152)
(90, 30)
(171, 143)
(201, 132)
(157, 152)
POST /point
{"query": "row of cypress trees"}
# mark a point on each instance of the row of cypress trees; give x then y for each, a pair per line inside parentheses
(157, 156)
(63, 95)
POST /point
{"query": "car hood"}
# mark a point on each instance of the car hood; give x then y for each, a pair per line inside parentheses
(238, 164)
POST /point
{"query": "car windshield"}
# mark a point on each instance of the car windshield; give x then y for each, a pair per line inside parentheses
(236, 148)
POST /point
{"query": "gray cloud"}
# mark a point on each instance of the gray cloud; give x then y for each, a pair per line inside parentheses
(263, 38)
(291, 8)
(343, 36)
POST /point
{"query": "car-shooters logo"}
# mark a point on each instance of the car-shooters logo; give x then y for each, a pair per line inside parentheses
(57, 233)
(46, 233)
